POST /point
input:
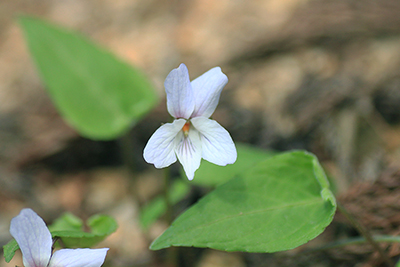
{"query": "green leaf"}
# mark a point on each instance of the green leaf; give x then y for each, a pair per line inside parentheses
(67, 222)
(213, 175)
(100, 225)
(9, 250)
(99, 95)
(157, 207)
(277, 205)
(69, 229)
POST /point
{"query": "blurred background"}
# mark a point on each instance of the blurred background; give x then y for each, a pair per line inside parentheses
(320, 75)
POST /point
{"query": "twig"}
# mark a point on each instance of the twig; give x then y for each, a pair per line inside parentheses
(357, 240)
(366, 234)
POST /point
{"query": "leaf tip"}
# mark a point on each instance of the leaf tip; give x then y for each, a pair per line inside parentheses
(327, 195)
(156, 246)
(320, 175)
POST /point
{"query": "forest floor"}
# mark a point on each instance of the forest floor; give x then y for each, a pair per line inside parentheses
(318, 75)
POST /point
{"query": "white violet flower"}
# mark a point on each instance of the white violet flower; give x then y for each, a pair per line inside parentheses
(192, 135)
(35, 241)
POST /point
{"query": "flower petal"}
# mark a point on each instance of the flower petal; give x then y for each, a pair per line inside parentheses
(188, 152)
(160, 149)
(179, 91)
(33, 237)
(81, 257)
(207, 89)
(217, 145)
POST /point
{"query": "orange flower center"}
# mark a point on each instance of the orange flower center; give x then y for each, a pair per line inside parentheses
(186, 128)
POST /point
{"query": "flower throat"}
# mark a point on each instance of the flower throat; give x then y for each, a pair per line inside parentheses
(186, 128)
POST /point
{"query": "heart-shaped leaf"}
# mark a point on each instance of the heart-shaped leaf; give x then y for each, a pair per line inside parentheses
(213, 175)
(277, 205)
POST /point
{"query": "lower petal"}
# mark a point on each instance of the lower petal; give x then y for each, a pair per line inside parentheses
(160, 149)
(33, 238)
(188, 152)
(81, 257)
(217, 145)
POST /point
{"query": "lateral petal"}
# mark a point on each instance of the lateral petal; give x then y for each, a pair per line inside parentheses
(81, 257)
(160, 149)
(217, 144)
(188, 152)
(180, 103)
(33, 237)
(207, 89)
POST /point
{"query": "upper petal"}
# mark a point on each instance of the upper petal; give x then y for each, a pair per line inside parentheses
(207, 89)
(217, 145)
(33, 237)
(180, 103)
(160, 149)
(81, 257)
(188, 152)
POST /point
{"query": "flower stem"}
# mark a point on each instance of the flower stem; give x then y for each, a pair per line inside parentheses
(366, 234)
(127, 150)
(127, 153)
(172, 252)
(167, 197)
